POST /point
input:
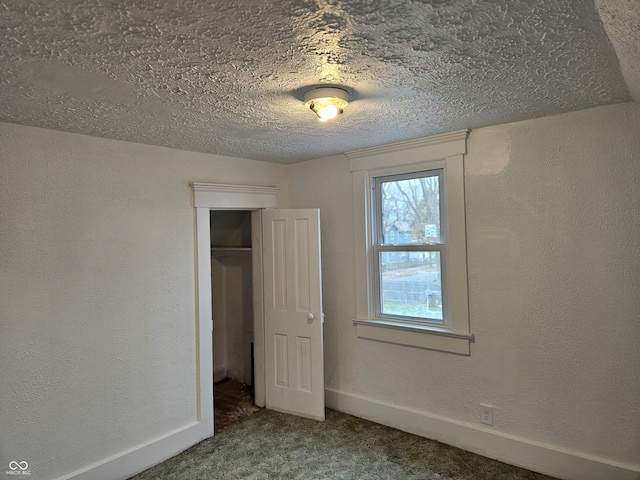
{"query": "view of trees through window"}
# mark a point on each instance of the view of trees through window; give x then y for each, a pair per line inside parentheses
(409, 214)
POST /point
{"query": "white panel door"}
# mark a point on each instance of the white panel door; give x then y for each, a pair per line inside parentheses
(294, 361)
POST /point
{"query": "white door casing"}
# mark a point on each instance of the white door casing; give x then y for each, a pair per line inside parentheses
(212, 196)
(239, 197)
(294, 359)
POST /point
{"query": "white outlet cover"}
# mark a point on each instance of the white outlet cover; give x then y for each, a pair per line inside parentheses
(486, 414)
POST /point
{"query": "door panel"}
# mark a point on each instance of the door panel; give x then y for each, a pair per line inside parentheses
(304, 364)
(294, 363)
(282, 360)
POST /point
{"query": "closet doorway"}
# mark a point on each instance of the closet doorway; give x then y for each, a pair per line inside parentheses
(287, 299)
(215, 197)
(232, 315)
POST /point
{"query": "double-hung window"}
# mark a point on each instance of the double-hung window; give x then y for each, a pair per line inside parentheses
(408, 247)
(411, 270)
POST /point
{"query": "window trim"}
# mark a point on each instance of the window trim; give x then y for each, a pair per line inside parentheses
(444, 151)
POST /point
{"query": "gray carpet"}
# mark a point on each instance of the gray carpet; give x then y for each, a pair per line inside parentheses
(271, 445)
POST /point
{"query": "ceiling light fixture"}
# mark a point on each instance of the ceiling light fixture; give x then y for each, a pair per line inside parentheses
(326, 102)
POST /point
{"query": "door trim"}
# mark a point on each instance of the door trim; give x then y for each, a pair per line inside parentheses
(214, 196)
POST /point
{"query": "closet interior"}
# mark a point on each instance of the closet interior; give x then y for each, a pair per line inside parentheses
(232, 313)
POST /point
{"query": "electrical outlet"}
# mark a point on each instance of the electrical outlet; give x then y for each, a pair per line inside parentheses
(486, 414)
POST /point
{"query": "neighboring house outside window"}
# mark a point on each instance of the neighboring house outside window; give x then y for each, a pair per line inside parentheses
(411, 271)
(397, 233)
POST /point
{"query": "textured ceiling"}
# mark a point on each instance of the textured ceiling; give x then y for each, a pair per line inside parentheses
(229, 77)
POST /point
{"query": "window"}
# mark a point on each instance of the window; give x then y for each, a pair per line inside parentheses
(411, 270)
(408, 278)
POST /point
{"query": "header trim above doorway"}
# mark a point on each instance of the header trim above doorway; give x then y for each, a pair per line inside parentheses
(233, 197)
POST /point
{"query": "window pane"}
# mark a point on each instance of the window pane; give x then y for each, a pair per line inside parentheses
(411, 285)
(411, 210)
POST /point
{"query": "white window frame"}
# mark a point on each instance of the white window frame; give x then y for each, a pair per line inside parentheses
(378, 246)
(444, 151)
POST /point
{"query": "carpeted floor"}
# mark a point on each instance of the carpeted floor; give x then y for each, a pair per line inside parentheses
(271, 445)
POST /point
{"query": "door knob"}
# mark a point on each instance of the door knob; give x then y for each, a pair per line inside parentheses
(310, 316)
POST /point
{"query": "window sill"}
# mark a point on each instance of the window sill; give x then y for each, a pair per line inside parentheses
(420, 336)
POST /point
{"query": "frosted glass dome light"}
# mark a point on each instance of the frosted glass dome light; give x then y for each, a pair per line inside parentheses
(326, 102)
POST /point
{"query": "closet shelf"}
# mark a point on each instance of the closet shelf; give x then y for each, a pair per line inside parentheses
(219, 249)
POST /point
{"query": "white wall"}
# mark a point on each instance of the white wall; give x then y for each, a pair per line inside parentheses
(232, 298)
(553, 234)
(232, 295)
(97, 287)
(97, 295)
(219, 317)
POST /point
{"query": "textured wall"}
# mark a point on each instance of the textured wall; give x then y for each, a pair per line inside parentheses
(97, 322)
(97, 289)
(553, 237)
(553, 242)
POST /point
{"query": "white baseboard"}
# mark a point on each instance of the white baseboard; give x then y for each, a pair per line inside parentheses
(146, 455)
(520, 452)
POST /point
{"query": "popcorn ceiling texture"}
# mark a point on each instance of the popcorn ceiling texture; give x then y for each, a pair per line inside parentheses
(622, 22)
(228, 77)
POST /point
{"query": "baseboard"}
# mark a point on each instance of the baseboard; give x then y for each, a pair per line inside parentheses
(219, 373)
(146, 455)
(516, 451)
